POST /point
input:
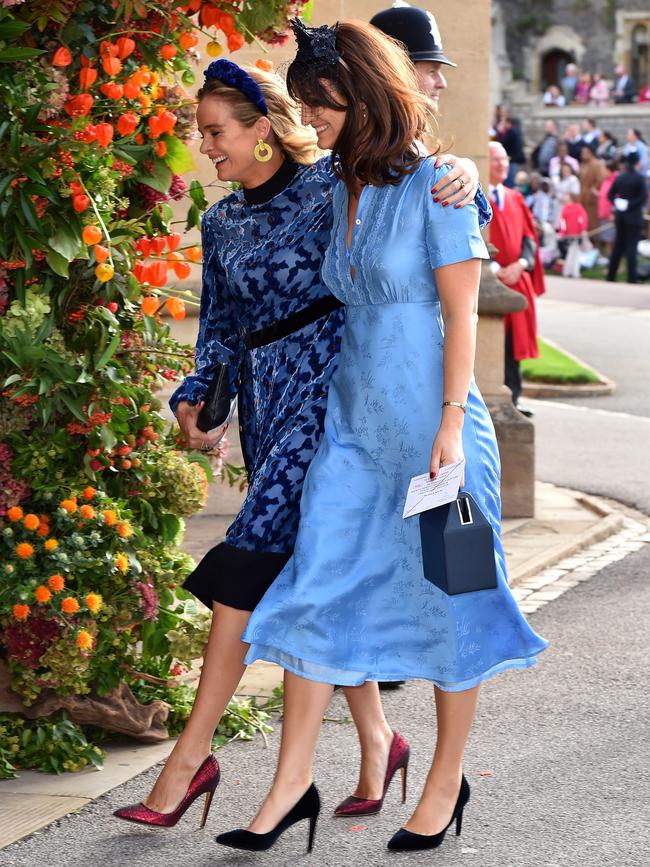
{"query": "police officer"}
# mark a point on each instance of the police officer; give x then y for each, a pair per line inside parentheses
(418, 31)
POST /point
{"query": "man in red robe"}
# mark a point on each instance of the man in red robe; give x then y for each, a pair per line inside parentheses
(517, 264)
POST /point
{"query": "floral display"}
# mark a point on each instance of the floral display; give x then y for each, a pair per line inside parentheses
(95, 120)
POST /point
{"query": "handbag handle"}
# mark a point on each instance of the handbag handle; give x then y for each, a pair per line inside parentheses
(464, 511)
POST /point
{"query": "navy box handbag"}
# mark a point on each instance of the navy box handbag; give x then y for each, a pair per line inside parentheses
(458, 547)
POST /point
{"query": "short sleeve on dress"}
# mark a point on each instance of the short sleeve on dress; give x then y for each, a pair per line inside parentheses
(452, 234)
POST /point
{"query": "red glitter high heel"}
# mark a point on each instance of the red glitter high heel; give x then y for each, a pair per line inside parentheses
(204, 782)
(398, 758)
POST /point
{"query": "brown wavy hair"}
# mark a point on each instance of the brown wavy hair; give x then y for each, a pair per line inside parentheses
(374, 78)
(297, 142)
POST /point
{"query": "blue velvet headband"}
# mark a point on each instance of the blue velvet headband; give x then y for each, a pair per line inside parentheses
(234, 76)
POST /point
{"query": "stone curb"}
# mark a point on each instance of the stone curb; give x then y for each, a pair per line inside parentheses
(532, 388)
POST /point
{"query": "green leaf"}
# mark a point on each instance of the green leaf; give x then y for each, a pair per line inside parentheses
(30, 115)
(178, 157)
(12, 29)
(193, 218)
(9, 55)
(66, 242)
(197, 194)
(109, 351)
(75, 406)
(15, 377)
(108, 437)
(29, 212)
(159, 178)
(58, 263)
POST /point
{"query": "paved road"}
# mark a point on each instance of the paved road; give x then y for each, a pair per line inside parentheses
(599, 445)
(567, 744)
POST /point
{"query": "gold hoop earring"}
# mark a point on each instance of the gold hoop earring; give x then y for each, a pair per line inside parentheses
(263, 151)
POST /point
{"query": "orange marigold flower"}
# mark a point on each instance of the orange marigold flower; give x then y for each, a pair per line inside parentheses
(89, 493)
(87, 512)
(122, 562)
(69, 505)
(56, 583)
(15, 513)
(94, 602)
(42, 594)
(31, 521)
(20, 612)
(69, 605)
(84, 640)
(110, 517)
(51, 545)
(124, 529)
(24, 550)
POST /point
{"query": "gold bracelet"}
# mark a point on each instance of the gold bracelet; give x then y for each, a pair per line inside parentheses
(454, 403)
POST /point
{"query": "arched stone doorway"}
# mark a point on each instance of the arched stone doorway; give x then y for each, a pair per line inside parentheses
(640, 55)
(559, 41)
(554, 64)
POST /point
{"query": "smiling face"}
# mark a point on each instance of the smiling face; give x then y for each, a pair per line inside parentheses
(431, 81)
(327, 122)
(228, 143)
(499, 163)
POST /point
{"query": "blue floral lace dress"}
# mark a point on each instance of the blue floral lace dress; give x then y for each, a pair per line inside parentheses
(352, 604)
(262, 254)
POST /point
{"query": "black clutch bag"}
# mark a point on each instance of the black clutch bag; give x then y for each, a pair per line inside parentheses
(216, 409)
(458, 547)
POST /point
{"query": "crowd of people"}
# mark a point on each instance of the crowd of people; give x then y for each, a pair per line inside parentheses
(571, 182)
(586, 88)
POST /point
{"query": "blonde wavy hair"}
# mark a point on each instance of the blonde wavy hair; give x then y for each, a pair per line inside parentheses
(297, 141)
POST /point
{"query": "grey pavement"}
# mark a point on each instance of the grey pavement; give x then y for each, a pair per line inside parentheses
(599, 292)
(600, 445)
(566, 744)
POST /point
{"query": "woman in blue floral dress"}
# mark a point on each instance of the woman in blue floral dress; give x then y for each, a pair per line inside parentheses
(266, 312)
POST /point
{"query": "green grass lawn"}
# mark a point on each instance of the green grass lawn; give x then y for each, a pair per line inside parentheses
(554, 366)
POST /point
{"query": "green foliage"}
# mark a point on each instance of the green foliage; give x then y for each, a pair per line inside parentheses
(50, 745)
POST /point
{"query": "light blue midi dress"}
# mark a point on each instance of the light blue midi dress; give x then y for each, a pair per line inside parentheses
(352, 604)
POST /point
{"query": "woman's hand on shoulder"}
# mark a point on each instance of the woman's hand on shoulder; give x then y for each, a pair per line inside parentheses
(458, 187)
(187, 415)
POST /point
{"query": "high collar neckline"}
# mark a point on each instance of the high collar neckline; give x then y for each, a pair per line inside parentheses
(275, 184)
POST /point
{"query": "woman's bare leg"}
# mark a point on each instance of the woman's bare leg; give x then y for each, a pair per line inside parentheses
(375, 738)
(455, 713)
(305, 703)
(223, 667)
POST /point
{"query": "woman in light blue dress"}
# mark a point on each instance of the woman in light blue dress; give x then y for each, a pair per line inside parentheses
(352, 604)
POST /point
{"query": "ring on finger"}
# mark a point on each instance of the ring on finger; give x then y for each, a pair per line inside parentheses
(461, 184)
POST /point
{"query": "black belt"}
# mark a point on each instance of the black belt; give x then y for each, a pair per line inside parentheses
(285, 327)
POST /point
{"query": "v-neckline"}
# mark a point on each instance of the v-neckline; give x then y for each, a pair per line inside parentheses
(351, 219)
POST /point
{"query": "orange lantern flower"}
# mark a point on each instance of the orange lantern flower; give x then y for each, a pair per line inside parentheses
(188, 40)
(127, 123)
(235, 41)
(78, 106)
(104, 133)
(169, 51)
(139, 139)
(88, 134)
(112, 90)
(131, 90)
(176, 308)
(264, 64)
(144, 246)
(87, 77)
(209, 16)
(174, 257)
(157, 273)
(194, 254)
(161, 149)
(149, 305)
(91, 235)
(109, 48)
(182, 270)
(62, 57)
(157, 245)
(125, 47)
(167, 121)
(173, 240)
(153, 123)
(226, 23)
(111, 65)
(80, 203)
(101, 253)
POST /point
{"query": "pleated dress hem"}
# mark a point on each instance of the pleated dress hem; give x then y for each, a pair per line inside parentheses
(312, 670)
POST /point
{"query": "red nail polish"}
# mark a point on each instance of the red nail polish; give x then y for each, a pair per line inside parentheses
(444, 204)
(457, 206)
(436, 199)
(432, 476)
